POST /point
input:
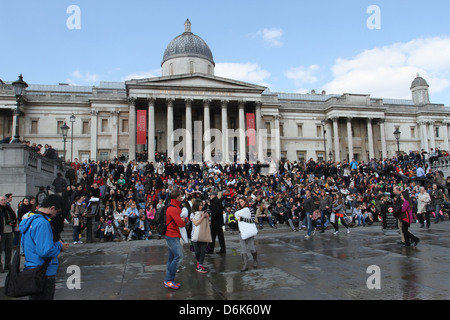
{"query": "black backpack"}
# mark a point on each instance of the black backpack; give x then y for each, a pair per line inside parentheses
(160, 219)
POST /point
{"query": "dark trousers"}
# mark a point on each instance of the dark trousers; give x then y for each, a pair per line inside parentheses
(408, 235)
(420, 216)
(217, 232)
(200, 251)
(49, 290)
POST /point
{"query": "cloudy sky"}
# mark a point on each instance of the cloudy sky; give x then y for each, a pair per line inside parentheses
(347, 46)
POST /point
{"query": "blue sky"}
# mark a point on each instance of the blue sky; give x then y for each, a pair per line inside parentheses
(287, 45)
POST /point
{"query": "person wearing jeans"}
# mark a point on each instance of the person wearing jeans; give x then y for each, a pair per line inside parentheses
(309, 209)
(174, 222)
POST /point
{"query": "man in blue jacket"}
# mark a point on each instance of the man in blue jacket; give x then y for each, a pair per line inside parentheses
(38, 245)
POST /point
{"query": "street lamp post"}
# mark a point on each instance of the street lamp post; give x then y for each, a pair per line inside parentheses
(72, 120)
(64, 130)
(397, 137)
(19, 89)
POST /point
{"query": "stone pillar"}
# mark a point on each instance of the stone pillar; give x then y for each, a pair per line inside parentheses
(131, 128)
(337, 154)
(423, 125)
(329, 141)
(350, 139)
(170, 128)
(259, 132)
(114, 133)
(151, 129)
(277, 138)
(242, 149)
(383, 139)
(189, 147)
(225, 156)
(94, 130)
(207, 130)
(370, 139)
(445, 135)
(432, 135)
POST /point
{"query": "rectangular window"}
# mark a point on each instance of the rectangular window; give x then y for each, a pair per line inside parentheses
(86, 128)
(319, 131)
(104, 127)
(59, 125)
(281, 130)
(125, 125)
(300, 130)
(34, 127)
(301, 155)
(413, 132)
(268, 127)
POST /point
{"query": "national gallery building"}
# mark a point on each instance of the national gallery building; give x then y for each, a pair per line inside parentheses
(192, 115)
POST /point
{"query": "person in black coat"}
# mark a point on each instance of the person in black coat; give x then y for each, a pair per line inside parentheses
(217, 223)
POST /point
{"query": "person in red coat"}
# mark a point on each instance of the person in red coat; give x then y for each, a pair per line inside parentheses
(174, 223)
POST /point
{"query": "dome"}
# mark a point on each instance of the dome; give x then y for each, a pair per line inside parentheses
(188, 45)
(419, 82)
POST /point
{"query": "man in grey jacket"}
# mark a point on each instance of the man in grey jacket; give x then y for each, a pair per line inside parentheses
(308, 205)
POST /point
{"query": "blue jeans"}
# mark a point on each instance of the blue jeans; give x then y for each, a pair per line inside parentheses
(437, 214)
(174, 258)
(309, 223)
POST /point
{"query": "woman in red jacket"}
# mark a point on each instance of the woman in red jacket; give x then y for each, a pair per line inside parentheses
(174, 222)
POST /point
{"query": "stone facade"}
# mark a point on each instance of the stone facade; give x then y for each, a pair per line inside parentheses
(189, 95)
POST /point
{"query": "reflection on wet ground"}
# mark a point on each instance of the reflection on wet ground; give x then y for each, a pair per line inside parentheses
(290, 268)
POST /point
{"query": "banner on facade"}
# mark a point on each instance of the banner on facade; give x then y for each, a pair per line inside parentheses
(141, 123)
(251, 132)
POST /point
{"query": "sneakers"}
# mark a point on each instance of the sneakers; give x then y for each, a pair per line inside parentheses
(172, 285)
(201, 269)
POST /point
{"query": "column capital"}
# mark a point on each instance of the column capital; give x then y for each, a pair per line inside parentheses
(188, 101)
(349, 119)
(224, 102)
(369, 119)
(132, 101)
(170, 102)
(151, 100)
(114, 113)
(241, 103)
(258, 104)
(94, 112)
(334, 118)
(206, 102)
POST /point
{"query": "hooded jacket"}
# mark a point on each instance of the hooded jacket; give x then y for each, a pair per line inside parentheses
(37, 243)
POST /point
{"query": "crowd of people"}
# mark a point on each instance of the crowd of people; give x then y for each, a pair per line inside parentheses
(126, 197)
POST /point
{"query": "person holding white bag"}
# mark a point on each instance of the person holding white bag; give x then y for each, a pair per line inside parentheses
(248, 231)
(199, 216)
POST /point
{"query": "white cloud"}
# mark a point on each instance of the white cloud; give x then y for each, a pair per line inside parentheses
(387, 72)
(143, 75)
(272, 36)
(87, 78)
(247, 72)
(303, 75)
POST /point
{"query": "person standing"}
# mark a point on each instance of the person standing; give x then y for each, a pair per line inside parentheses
(407, 218)
(174, 222)
(325, 208)
(38, 245)
(7, 222)
(338, 209)
(308, 205)
(217, 222)
(423, 199)
(437, 198)
(244, 215)
(197, 216)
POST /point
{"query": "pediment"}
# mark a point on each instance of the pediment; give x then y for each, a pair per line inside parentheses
(193, 82)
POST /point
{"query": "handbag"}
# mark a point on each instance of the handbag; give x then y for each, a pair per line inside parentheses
(430, 208)
(204, 232)
(26, 283)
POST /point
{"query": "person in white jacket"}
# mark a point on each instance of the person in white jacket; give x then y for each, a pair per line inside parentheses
(248, 231)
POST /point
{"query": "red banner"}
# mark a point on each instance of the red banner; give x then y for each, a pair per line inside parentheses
(141, 126)
(251, 132)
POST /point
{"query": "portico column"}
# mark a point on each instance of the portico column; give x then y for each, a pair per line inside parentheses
(224, 131)
(277, 138)
(337, 155)
(94, 128)
(114, 133)
(370, 139)
(445, 129)
(207, 130)
(259, 132)
(349, 139)
(432, 135)
(151, 130)
(383, 139)
(132, 128)
(423, 125)
(329, 142)
(242, 148)
(170, 128)
(189, 148)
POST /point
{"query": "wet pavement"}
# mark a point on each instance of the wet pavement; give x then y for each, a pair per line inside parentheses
(362, 265)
